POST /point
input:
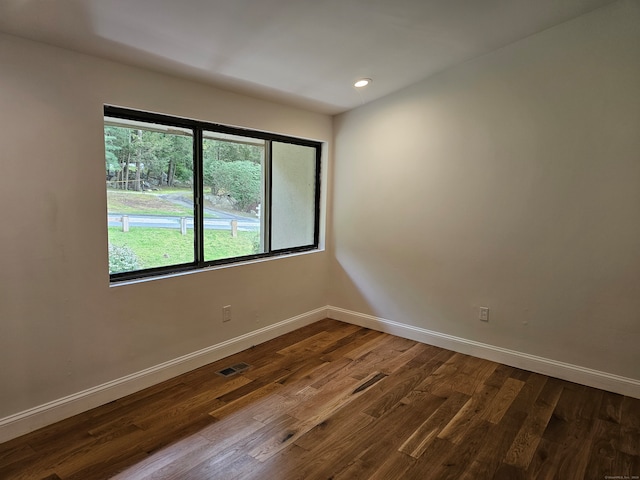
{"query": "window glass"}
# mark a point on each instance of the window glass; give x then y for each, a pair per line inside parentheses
(150, 208)
(233, 174)
(293, 194)
(184, 194)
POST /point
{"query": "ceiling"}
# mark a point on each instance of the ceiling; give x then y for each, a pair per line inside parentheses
(302, 52)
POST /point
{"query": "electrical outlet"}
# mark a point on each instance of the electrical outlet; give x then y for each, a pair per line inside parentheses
(484, 314)
(226, 313)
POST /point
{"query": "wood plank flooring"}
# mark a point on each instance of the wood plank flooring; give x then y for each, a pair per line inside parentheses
(336, 401)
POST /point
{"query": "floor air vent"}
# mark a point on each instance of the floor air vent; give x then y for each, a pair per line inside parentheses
(233, 369)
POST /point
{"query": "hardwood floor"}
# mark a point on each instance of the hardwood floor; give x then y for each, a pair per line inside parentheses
(336, 401)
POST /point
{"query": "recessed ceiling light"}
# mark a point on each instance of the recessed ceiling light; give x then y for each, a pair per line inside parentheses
(363, 82)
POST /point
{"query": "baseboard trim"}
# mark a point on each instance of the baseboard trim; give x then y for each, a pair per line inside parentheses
(51, 412)
(554, 368)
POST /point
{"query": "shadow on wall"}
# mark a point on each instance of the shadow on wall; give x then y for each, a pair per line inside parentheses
(379, 289)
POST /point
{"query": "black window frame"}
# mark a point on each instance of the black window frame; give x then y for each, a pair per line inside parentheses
(198, 127)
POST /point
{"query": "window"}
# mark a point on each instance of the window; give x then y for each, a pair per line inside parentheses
(184, 194)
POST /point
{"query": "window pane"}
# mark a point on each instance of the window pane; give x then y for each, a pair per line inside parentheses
(256, 191)
(233, 173)
(150, 209)
(293, 184)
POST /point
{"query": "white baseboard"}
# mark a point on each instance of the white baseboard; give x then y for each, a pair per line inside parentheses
(51, 412)
(533, 363)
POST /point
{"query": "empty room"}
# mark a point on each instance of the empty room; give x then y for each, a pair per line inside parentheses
(320, 239)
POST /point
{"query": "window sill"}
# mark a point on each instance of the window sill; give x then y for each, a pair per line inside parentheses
(165, 276)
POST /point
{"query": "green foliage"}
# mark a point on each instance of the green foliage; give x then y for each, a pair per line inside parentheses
(227, 151)
(157, 153)
(240, 179)
(171, 150)
(122, 259)
(234, 169)
(111, 148)
(255, 242)
(159, 158)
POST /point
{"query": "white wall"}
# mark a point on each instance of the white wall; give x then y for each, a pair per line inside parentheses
(511, 181)
(62, 328)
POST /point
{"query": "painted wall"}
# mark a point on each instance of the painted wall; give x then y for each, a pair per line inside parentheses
(511, 181)
(62, 328)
